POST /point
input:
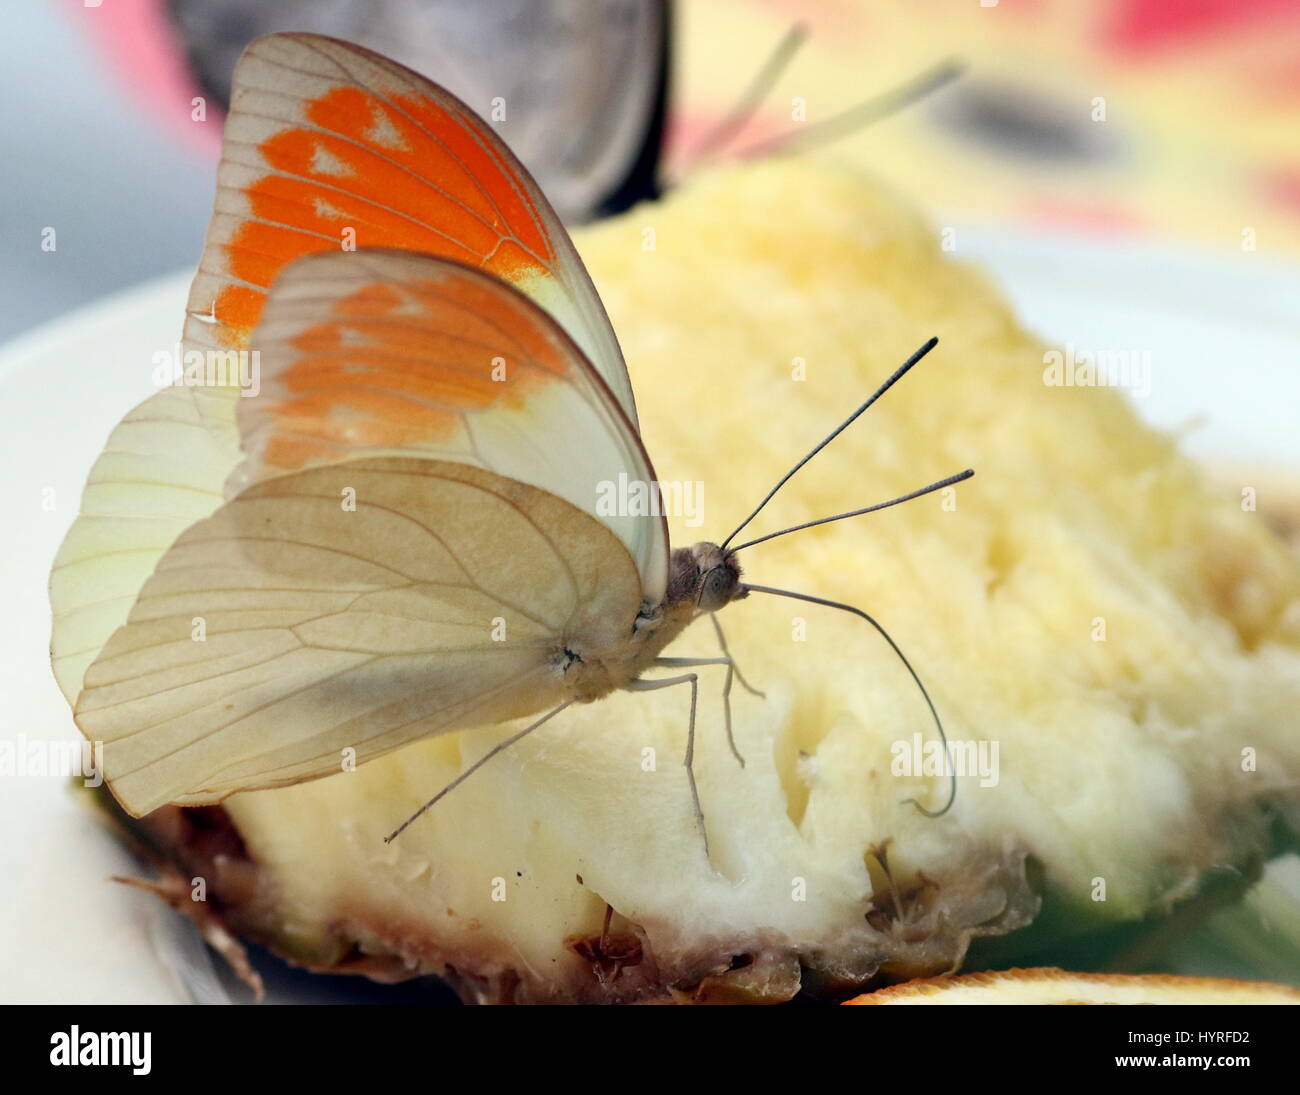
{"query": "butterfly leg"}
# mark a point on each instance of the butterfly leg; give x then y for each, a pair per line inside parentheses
(667, 682)
(722, 642)
(726, 691)
(733, 673)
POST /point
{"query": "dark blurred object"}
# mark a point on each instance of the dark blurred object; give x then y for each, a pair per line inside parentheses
(582, 84)
(1025, 121)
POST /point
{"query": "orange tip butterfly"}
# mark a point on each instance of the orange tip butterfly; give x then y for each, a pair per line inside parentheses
(399, 534)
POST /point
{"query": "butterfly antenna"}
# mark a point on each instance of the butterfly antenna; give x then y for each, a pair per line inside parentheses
(494, 751)
(752, 97)
(857, 117)
(899, 373)
(943, 737)
(959, 477)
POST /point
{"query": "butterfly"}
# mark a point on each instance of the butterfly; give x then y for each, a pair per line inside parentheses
(395, 529)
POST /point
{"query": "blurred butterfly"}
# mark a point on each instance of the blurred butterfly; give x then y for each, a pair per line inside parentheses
(411, 540)
(576, 88)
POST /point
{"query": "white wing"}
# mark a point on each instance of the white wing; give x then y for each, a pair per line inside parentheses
(373, 352)
(354, 607)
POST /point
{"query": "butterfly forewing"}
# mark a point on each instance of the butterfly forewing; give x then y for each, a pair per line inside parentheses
(329, 145)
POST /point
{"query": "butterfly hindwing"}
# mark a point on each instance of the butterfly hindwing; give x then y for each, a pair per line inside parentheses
(354, 607)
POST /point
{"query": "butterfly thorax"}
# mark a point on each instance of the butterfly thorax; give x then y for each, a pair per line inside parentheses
(702, 578)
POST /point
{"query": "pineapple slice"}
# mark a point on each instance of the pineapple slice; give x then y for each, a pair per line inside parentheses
(1052, 986)
(1113, 644)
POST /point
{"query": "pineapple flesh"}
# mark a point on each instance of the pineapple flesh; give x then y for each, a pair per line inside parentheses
(1111, 641)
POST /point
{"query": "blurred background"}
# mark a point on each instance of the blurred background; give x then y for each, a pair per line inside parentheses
(1117, 120)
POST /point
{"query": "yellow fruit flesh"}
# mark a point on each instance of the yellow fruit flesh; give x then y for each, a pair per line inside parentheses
(1120, 762)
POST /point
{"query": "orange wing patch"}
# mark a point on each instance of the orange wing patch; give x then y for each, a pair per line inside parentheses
(397, 367)
(329, 147)
(377, 350)
(402, 174)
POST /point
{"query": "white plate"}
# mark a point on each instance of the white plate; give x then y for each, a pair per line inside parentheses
(1224, 339)
(1222, 332)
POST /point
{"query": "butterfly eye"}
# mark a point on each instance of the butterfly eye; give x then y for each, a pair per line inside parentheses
(715, 590)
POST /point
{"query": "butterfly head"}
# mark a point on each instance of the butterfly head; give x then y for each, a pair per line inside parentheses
(705, 575)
